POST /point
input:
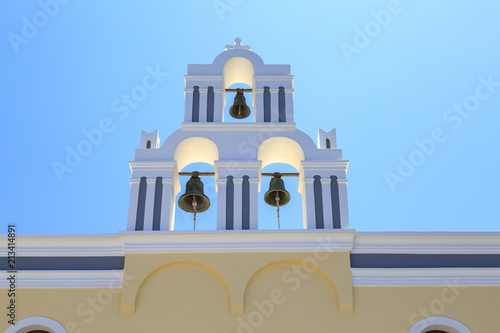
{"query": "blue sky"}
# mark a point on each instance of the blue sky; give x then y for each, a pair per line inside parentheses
(412, 87)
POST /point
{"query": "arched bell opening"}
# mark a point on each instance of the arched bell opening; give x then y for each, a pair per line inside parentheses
(230, 101)
(268, 215)
(206, 220)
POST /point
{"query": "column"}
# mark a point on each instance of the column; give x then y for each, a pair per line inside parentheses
(327, 202)
(289, 105)
(150, 203)
(344, 212)
(210, 104)
(254, 202)
(258, 105)
(274, 106)
(218, 105)
(238, 202)
(132, 205)
(309, 212)
(203, 105)
(188, 106)
(221, 203)
(167, 205)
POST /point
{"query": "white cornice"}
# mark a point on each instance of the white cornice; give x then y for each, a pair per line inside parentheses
(273, 77)
(203, 77)
(66, 245)
(255, 240)
(428, 242)
(238, 241)
(400, 277)
(224, 127)
(65, 279)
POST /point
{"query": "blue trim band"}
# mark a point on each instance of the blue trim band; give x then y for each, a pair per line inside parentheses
(65, 263)
(382, 260)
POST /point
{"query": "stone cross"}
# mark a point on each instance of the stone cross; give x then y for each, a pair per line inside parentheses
(237, 45)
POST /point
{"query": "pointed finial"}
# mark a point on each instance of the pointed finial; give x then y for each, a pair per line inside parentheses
(237, 45)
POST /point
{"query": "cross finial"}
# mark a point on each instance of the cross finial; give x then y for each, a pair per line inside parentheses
(237, 45)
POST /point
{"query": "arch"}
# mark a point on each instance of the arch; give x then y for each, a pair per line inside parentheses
(302, 262)
(208, 268)
(221, 60)
(439, 323)
(195, 149)
(280, 150)
(148, 144)
(238, 70)
(36, 323)
(328, 143)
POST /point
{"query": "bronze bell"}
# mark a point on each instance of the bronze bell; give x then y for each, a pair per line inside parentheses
(277, 195)
(194, 200)
(239, 110)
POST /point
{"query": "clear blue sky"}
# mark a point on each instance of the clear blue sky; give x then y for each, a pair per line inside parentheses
(382, 93)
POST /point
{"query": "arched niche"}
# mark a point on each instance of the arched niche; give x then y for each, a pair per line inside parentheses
(280, 150)
(291, 282)
(238, 70)
(179, 271)
(194, 150)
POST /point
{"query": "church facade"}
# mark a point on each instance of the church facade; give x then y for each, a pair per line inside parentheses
(239, 278)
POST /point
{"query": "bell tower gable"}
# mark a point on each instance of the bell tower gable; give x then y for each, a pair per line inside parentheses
(271, 87)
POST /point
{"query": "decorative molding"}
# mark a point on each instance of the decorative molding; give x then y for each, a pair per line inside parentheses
(280, 77)
(238, 241)
(65, 279)
(401, 277)
(360, 278)
(427, 242)
(106, 245)
(233, 126)
(90, 245)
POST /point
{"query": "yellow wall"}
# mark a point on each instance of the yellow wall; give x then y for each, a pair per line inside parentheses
(189, 297)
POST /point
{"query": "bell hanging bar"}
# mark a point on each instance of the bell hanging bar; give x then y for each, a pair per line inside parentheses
(236, 90)
(264, 174)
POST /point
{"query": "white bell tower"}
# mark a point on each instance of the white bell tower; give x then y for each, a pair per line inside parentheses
(238, 150)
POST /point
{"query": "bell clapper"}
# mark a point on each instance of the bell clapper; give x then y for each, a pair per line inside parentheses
(195, 203)
(278, 207)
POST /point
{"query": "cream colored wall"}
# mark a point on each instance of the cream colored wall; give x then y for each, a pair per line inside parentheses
(187, 297)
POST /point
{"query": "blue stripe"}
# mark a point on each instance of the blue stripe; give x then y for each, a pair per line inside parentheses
(377, 260)
(65, 263)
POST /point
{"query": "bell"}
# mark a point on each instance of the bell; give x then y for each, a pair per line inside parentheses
(194, 200)
(239, 109)
(277, 195)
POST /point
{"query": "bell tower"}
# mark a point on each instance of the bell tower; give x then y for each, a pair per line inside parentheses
(206, 85)
(238, 150)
